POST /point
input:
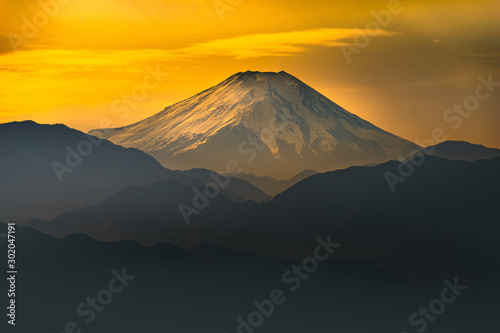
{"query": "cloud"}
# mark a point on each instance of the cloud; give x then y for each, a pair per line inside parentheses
(284, 44)
(276, 44)
(60, 61)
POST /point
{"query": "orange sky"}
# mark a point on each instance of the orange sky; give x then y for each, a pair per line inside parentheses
(76, 64)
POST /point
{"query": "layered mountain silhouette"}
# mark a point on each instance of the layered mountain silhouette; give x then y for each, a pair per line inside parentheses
(274, 186)
(147, 214)
(205, 289)
(46, 170)
(212, 239)
(272, 124)
(462, 150)
(211, 231)
(238, 188)
(416, 232)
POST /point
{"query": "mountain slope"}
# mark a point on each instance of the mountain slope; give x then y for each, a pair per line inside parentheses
(271, 123)
(465, 151)
(274, 186)
(30, 186)
(147, 214)
(417, 232)
(233, 187)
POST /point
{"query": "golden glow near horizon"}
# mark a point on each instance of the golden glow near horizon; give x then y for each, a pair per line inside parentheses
(76, 62)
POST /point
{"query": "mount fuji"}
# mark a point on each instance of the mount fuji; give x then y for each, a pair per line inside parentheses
(270, 123)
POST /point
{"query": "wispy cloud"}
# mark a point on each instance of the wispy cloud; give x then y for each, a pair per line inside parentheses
(276, 44)
(240, 47)
(38, 60)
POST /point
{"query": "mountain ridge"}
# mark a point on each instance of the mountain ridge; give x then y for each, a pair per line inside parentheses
(31, 187)
(354, 205)
(463, 150)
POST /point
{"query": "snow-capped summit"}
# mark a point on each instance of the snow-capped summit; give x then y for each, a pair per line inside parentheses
(270, 123)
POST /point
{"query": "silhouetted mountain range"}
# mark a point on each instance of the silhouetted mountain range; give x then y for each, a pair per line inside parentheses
(465, 151)
(237, 188)
(46, 170)
(416, 232)
(148, 215)
(403, 229)
(273, 186)
(207, 289)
